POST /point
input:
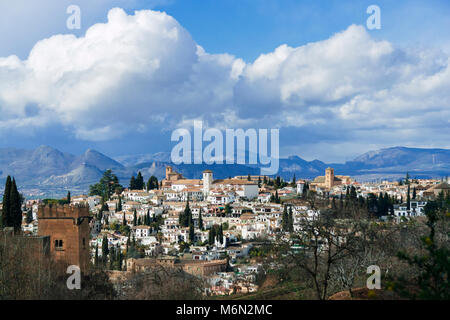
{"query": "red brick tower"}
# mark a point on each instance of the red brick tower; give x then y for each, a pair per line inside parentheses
(68, 228)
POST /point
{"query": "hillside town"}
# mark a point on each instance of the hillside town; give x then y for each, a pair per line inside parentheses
(213, 228)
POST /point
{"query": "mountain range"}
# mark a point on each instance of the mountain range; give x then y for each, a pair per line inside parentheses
(46, 171)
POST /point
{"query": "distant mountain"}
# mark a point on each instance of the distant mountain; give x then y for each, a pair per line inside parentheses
(399, 160)
(133, 160)
(301, 168)
(46, 170)
(32, 165)
(97, 159)
(84, 175)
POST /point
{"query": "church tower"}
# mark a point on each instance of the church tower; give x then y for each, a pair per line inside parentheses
(169, 171)
(207, 182)
(329, 178)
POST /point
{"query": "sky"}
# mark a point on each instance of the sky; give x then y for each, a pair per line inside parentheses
(138, 69)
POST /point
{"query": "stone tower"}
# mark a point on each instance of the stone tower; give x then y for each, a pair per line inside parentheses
(207, 182)
(329, 178)
(68, 228)
(168, 172)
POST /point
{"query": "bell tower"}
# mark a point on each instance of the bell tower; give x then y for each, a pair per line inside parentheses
(207, 182)
(329, 178)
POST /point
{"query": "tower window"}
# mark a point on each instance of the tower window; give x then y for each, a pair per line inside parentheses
(58, 245)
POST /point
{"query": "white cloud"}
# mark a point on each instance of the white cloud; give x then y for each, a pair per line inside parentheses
(144, 70)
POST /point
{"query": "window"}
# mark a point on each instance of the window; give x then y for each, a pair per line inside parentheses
(59, 245)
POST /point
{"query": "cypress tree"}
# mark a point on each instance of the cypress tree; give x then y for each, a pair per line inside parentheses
(6, 203)
(16, 207)
(69, 198)
(120, 259)
(135, 221)
(220, 234)
(132, 183)
(119, 205)
(284, 219)
(200, 220)
(105, 249)
(408, 199)
(96, 256)
(139, 181)
(187, 216)
(191, 232)
(211, 236)
(290, 220)
(111, 258)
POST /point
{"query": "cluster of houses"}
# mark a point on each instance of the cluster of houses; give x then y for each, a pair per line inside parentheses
(242, 208)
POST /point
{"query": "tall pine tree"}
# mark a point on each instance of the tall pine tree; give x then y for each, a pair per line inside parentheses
(290, 220)
(16, 207)
(6, 221)
(139, 181)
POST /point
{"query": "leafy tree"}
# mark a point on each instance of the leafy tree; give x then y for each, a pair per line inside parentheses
(29, 217)
(433, 281)
(107, 185)
(184, 246)
(152, 183)
(227, 209)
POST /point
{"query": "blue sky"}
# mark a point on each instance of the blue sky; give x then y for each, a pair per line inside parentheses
(414, 53)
